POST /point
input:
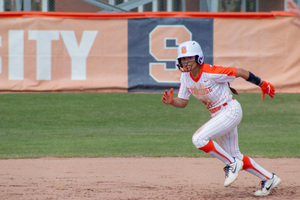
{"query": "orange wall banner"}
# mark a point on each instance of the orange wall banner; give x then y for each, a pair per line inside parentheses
(128, 52)
(270, 48)
(62, 54)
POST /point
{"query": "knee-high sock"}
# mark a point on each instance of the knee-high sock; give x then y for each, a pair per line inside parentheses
(215, 150)
(251, 166)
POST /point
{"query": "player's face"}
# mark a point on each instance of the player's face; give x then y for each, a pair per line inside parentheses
(189, 63)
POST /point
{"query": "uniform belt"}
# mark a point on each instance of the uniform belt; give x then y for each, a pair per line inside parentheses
(219, 107)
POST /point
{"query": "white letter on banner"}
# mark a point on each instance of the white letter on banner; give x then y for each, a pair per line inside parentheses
(15, 55)
(43, 52)
(79, 53)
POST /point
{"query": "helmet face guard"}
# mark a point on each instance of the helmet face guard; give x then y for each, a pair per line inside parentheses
(189, 49)
(180, 65)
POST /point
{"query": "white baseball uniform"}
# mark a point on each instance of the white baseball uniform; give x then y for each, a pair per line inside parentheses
(211, 88)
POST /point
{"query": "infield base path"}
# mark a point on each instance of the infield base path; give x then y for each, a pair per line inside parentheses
(138, 178)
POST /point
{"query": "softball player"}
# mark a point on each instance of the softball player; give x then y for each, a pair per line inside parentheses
(209, 84)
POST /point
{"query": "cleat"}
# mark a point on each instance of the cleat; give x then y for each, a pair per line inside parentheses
(267, 186)
(231, 171)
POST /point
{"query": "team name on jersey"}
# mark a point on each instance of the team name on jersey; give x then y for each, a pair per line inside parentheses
(200, 91)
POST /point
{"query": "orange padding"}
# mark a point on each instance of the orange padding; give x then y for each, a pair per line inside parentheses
(128, 15)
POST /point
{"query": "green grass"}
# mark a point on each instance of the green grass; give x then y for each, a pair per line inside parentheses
(134, 124)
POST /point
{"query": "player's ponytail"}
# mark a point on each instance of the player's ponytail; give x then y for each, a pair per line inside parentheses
(233, 90)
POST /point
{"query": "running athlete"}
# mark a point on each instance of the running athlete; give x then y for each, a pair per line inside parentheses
(209, 84)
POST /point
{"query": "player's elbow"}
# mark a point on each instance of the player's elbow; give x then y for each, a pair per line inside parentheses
(183, 103)
(240, 72)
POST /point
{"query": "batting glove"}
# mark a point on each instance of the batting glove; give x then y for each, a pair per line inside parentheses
(267, 88)
(168, 97)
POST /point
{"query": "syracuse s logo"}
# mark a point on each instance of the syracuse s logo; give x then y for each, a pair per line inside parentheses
(183, 50)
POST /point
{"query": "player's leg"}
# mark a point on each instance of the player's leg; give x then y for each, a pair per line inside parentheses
(231, 169)
(229, 143)
(269, 180)
(221, 124)
(251, 166)
(203, 140)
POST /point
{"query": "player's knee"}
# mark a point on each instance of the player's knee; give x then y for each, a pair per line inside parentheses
(199, 141)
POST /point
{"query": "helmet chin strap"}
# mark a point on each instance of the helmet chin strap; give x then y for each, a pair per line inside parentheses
(181, 68)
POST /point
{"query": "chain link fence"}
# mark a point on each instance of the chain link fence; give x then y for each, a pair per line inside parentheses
(144, 5)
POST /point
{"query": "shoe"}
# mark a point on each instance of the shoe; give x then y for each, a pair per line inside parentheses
(231, 171)
(267, 186)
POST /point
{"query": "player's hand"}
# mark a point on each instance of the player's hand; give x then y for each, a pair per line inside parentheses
(168, 97)
(267, 88)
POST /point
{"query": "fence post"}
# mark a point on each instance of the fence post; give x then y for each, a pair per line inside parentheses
(45, 5)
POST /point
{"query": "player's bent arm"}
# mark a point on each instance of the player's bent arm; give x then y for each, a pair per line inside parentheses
(267, 88)
(180, 103)
(240, 72)
(248, 76)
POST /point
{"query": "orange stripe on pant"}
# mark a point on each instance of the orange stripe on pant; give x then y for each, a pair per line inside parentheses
(248, 165)
(211, 147)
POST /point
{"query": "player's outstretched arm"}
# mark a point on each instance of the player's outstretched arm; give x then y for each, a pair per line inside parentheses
(292, 7)
(266, 88)
(177, 102)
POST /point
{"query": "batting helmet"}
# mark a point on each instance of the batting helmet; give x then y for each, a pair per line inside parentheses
(189, 49)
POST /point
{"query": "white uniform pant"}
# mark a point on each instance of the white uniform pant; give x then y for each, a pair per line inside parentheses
(223, 127)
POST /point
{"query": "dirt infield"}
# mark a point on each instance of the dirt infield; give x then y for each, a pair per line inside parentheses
(138, 179)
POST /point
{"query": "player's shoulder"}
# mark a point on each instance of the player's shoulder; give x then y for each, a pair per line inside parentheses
(210, 68)
(214, 69)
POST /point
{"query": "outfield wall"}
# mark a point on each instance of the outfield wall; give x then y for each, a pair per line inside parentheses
(124, 52)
